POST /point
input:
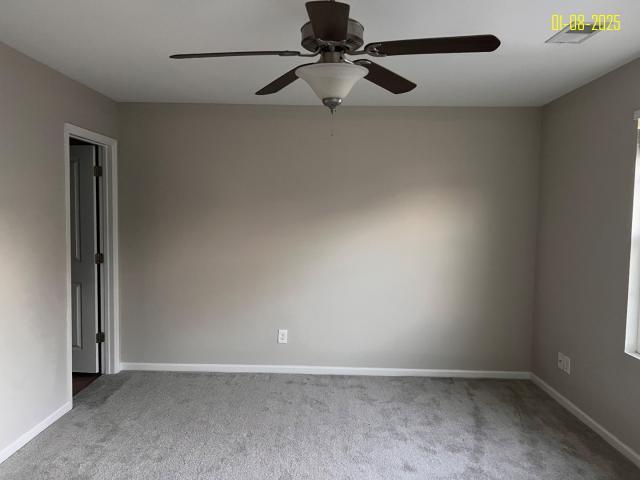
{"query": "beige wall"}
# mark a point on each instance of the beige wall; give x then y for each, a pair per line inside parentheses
(588, 156)
(35, 102)
(405, 240)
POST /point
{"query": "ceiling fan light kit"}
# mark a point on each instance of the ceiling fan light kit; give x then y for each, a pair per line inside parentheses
(332, 35)
(331, 82)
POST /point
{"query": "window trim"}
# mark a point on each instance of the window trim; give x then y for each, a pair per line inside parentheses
(632, 338)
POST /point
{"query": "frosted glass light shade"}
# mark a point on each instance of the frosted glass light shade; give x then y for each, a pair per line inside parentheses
(331, 80)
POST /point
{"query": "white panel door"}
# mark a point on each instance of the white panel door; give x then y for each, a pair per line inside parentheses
(83, 266)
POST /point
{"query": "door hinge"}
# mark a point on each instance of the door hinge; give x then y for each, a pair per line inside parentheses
(100, 337)
(99, 258)
(97, 171)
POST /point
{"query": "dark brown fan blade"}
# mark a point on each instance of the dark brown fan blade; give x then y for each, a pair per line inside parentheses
(279, 53)
(281, 82)
(386, 78)
(419, 46)
(329, 20)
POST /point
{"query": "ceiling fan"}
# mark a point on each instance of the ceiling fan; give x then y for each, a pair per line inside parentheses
(333, 36)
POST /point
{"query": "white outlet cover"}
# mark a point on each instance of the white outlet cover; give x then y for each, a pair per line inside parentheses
(283, 336)
(567, 365)
(560, 361)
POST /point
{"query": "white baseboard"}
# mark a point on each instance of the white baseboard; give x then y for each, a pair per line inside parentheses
(23, 439)
(317, 370)
(609, 437)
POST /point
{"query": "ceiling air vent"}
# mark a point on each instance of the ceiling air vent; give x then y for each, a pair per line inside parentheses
(571, 34)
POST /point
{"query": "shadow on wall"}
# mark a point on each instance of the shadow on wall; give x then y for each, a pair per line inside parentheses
(380, 243)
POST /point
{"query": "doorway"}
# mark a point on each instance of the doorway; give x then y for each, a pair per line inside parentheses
(86, 257)
(92, 254)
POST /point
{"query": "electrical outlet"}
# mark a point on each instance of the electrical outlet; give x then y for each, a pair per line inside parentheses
(560, 361)
(564, 363)
(283, 336)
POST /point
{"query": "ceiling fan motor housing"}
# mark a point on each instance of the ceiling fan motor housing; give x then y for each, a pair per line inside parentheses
(354, 40)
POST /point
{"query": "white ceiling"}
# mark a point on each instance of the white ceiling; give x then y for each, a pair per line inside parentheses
(121, 48)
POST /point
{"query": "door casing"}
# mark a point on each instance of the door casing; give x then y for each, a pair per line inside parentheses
(110, 288)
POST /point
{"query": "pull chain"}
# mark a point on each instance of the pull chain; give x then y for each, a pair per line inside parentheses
(332, 112)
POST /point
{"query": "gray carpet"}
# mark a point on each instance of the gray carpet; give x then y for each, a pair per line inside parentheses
(139, 425)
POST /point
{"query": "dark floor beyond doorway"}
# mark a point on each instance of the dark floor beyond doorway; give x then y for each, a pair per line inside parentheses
(82, 381)
(199, 426)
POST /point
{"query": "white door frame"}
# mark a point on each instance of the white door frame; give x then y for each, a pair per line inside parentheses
(111, 313)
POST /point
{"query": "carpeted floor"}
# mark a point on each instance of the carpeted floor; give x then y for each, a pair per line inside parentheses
(143, 425)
